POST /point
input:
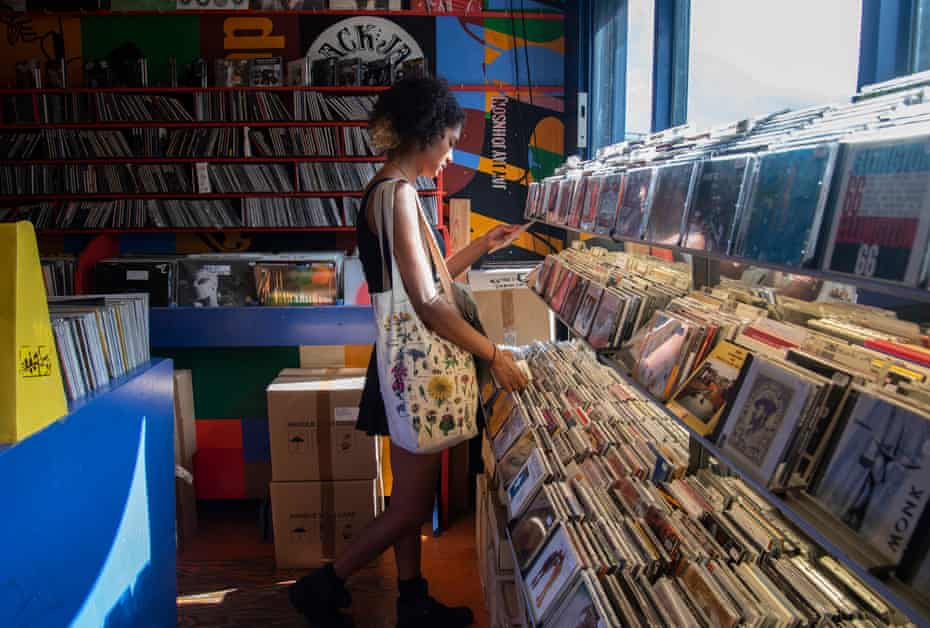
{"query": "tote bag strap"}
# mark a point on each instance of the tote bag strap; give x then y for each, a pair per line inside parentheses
(384, 221)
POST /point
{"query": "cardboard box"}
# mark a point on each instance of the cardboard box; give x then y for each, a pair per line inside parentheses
(185, 421)
(316, 521)
(322, 373)
(311, 424)
(511, 316)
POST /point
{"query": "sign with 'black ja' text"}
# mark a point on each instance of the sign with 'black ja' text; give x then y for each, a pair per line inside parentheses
(370, 38)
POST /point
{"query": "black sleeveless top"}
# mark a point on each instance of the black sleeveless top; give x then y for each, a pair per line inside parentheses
(372, 417)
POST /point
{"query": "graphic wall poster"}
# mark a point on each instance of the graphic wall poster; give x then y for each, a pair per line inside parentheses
(176, 36)
(369, 38)
(249, 36)
(26, 37)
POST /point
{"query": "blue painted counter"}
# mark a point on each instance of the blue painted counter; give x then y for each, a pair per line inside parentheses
(87, 526)
(189, 327)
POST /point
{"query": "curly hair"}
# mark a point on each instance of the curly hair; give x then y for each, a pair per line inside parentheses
(413, 113)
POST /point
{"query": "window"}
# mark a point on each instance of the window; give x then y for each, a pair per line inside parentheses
(920, 54)
(751, 57)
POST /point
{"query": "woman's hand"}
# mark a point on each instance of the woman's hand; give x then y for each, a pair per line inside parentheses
(506, 372)
(501, 235)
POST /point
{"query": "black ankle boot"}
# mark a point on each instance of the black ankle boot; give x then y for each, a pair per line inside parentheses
(416, 609)
(319, 596)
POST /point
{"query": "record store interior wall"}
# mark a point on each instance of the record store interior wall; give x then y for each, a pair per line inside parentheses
(510, 138)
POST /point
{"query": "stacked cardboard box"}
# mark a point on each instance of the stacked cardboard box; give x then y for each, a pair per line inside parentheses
(325, 474)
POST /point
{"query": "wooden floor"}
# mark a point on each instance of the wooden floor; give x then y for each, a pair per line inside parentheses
(227, 575)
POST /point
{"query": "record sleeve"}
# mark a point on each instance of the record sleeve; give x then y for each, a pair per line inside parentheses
(566, 193)
(788, 199)
(592, 199)
(763, 416)
(553, 571)
(634, 204)
(878, 479)
(608, 203)
(577, 204)
(529, 532)
(881, 216)
(514, 427)
(217, 281)
(509, 466)
(719, 196)
(702, 400)
(671, 200)
(661, 354)
(525, 484)
(157, 277)
(580, 608)
(606, 320)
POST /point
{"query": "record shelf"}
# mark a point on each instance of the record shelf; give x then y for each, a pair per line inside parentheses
(479, 13)
(794, 507)
(869, 285)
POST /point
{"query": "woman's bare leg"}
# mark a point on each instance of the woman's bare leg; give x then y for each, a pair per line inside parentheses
(411, 505)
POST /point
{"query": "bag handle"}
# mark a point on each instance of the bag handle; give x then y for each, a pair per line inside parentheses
(382, 221)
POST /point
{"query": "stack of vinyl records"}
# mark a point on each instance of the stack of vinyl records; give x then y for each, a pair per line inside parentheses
(240, 106)
(808, 175)
(608, 526)
(294, 212)
(357, 141)
(209, 142)
(287, 142)
(132, 107)
(58, 273)
(99, 338)
(64, 144)
(606, 300)
(243, 178)
(316, 106)
(336, 177)
(128, 214)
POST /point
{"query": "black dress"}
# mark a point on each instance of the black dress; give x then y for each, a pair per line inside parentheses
(372, 417)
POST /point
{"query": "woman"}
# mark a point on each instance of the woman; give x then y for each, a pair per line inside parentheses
(417, 123)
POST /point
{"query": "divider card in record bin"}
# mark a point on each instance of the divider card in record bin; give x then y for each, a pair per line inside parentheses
(31, 391)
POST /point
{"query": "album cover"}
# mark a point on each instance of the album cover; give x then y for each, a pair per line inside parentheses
(718, 198)
(306, 283)
(592, 199)
(512, 430)
(266, 71)
(564, 202)
(553, 571)
(580, 608)
(788, 198)
(155, 276)
(584, 319)
(524, 486)
(512, 462)
(608, 203)
(760, 421)
(702, 400)
(217, 281)
(661, 354)
(532, 196)
(604, 326)
(671, 199)
(565, 284)
(878, 479)
(881, 215)
(577, 204)
(499, 412)
(634, 204)
(530, 531)
(573, 300)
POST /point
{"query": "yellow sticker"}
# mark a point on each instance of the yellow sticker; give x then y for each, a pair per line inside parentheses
(35, 361)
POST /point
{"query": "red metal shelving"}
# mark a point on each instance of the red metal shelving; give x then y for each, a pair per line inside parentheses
(354, 89)
(108, 230)
(187, 160)
(185, 124)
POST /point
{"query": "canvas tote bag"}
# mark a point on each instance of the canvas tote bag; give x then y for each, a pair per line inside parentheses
(428, 383)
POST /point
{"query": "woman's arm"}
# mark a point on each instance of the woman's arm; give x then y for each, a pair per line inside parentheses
(496, 237)
(435, 311)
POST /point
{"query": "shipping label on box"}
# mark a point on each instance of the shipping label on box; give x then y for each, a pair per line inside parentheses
(317, 521)
(311, 424)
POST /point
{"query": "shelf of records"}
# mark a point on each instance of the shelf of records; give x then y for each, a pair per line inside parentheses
(594, 509)
(214, 144)
(230, 105)
(459, 8)
(99, 338)
(251, 214)
(839, 190)
(213, 280)
(812, 404)
(192, 179)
